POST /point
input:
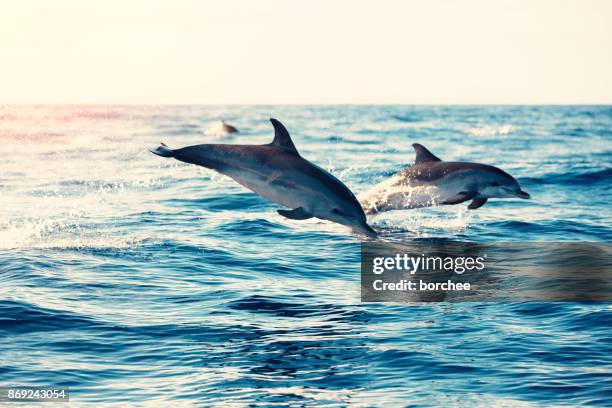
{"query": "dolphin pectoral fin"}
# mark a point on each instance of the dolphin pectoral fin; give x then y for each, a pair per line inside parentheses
(297, 214)
(477, 203)
(459, 198)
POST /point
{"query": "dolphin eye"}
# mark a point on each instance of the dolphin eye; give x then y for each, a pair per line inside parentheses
(494, 184)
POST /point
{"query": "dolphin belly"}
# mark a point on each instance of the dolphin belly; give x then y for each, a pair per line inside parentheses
(276, 186)
(289, 181)
(275, 192)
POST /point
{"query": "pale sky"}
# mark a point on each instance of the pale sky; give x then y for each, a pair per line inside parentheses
(315, 51)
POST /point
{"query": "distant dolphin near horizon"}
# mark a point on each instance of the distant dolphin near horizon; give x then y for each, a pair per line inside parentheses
(277, 172)
(221, 128)
(431, 181)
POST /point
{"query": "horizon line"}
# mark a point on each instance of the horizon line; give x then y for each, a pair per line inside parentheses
(608, 103)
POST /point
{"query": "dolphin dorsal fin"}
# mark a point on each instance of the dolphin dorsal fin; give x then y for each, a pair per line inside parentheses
(423, 155)
(281, 136)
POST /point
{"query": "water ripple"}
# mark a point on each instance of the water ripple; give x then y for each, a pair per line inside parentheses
(134, 279)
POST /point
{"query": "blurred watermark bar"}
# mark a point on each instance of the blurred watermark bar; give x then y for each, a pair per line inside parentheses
(34, 394)
(450, 271)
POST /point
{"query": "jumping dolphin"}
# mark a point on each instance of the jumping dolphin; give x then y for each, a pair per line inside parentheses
(220, 129)
(276, 171)
(431, 181)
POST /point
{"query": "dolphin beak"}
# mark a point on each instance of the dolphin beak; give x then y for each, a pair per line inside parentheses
(523, 194)
(366, 230)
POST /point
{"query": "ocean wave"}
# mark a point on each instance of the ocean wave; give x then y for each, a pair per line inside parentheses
(21, 317)
(556, 230)
(351, 140)
(260, 227)
(133, 278)
(37, 137)
(573, 178)
(44, 233)
(277, 307)
(93, 113)
(241, 201)
(407, 119)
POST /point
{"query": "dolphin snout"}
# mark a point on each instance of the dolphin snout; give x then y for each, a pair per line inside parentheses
(366, 230)
(523, 194)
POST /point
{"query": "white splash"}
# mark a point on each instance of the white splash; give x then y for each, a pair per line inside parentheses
(491, 130)
(395, 194)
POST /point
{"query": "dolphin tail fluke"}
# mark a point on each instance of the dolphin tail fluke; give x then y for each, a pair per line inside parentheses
(163, 151)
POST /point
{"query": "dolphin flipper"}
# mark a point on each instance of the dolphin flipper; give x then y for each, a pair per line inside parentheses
(298, 214)
(459, 198)
(477, 203)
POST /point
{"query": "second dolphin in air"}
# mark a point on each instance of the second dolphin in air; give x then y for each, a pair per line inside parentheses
(431, 181)
(276, 171)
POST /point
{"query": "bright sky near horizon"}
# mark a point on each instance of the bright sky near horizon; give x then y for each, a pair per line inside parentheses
(316, 51)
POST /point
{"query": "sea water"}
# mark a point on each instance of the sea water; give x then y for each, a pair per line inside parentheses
(135, 279)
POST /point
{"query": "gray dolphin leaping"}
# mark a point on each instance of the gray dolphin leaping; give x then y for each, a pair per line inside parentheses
(431, 181)
(276, 171)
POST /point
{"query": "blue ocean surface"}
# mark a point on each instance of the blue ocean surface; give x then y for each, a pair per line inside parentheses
(134, 279)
